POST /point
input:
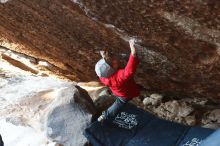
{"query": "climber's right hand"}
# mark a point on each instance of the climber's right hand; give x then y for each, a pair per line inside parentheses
(133, 50)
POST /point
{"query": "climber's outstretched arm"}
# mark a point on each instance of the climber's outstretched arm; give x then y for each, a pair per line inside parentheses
(133, 49)
(132, 64)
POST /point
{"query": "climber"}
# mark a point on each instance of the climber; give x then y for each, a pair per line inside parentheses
(120, 81)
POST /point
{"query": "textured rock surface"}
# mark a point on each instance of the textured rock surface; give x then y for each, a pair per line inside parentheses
(24, 99)
(212, 117)
(174, 110)
(69, 116)
(18, 64)
(154, 99)
(190, 111)
(1, 141)
(179, 40)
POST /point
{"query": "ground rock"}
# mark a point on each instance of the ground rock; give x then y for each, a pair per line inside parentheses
(154, 99)
(190, 120)
(69, 116)
(212, 126)
(174, 110)
(1, 141)
(177, 108)
(212, 117)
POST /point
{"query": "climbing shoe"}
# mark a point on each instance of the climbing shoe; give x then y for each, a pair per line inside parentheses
(101, 118)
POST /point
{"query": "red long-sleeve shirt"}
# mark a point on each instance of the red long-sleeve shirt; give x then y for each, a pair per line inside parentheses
(122, 81)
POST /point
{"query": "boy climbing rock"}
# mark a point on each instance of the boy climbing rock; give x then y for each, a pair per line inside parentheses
(120, 81)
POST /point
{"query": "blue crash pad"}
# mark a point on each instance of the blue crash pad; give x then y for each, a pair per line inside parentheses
(134, 127)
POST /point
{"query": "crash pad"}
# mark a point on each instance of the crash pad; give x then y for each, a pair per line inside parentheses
(133, 126)
(213, 139)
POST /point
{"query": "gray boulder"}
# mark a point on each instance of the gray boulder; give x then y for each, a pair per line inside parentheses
(68, 116)
(1, 141)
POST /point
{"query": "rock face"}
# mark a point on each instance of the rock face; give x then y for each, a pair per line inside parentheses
(179, 41)
(69, 116)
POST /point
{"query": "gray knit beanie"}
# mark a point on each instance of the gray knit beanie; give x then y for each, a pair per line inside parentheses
(103, 69)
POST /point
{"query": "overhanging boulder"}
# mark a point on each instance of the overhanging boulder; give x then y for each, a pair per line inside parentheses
(179, 40)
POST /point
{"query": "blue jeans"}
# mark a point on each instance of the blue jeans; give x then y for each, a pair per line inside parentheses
(212, 140)
(115, 107)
